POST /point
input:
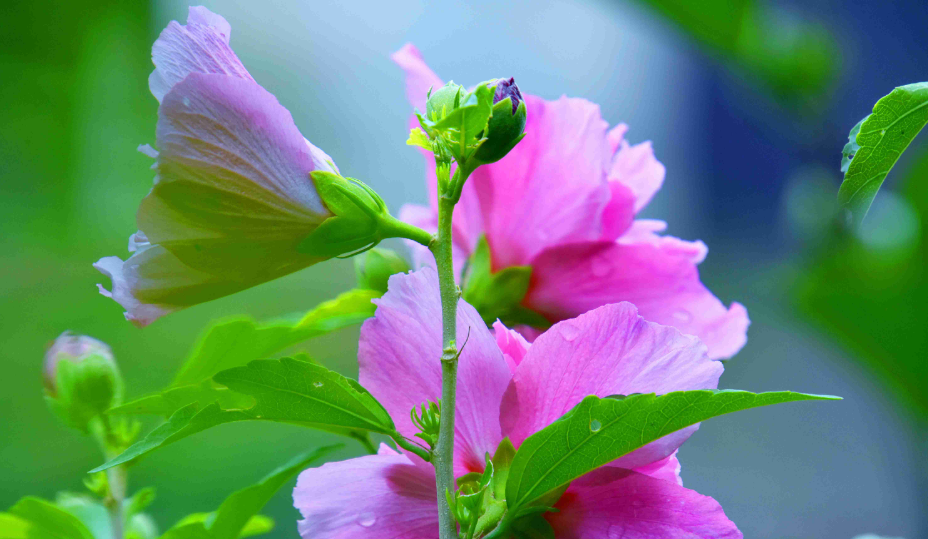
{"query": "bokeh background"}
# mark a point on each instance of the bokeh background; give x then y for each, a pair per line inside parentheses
(747, 104)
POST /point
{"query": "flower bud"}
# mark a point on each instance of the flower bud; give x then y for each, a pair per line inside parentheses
(81, 379)
(506, 126)
(444, 100)
(375, 267)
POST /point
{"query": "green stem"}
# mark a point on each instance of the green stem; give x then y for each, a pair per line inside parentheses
(116, 477)
(443, 452)
(391, 227)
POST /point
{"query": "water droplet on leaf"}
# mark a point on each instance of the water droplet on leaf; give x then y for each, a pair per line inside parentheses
(595, 425)
(317, 384)
(367, 520)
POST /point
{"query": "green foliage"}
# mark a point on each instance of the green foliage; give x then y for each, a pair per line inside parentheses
(286, 391)
(873, 300)
(238, 515)
(877, 142)
(598, 431)
(232, 343)
(795, 59)
(498, 294)
(375, 267)
(35, 518)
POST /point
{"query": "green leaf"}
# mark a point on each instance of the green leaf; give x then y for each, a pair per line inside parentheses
(170, 400)
(598, 431)
(881, 138)
(417, 137)
(187, 421)
(532, 527)
(498, 295)
(286, 391)
(235, 512)
(35, 518)
(236, 342)
(307, 394)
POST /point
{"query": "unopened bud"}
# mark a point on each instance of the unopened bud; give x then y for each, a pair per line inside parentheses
(506, 126)
(375, 267)
(444, 100)
(81, 378)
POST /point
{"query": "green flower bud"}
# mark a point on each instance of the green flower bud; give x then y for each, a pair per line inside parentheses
(506, 126)
(375, 267)
(81, 379)
(444, 100)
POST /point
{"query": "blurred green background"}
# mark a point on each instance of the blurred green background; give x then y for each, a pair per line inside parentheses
(748, 104)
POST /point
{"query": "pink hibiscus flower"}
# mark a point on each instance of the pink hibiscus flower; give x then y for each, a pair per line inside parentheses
(508, 388)
(232, 196)
(564, 202)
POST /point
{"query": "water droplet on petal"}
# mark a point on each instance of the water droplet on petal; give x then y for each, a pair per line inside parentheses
(569, 330)
(367, 520)
(186, 101)
(682, 315)
(595, 425)
(317, 384)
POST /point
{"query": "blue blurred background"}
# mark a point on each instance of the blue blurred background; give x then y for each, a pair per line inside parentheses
(750, 129)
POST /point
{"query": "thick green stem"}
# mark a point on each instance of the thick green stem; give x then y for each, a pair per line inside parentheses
(443, 452)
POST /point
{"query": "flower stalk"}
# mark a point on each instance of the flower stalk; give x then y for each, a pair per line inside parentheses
(443, 452)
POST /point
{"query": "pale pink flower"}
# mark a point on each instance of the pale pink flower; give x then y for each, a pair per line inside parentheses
(564, 202)
(507, 387)
(232, 195)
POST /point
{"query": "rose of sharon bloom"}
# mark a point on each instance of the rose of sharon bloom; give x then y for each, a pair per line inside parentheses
(232, 195)
(564, 202)
(507, 387)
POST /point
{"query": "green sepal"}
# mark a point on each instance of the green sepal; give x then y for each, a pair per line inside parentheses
(375, 267)
(356, 211)
(498, 295)
(504, 131)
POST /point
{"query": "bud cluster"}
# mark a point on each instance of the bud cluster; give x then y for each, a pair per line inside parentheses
(81, 379)
(471, 128)
(427, 420)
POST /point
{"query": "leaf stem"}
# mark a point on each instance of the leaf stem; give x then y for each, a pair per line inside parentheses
(443, 452)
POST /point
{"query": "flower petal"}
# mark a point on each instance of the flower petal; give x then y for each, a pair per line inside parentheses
(612, 502)
(657, 273)
(153, 282)
(382, 496)
(419, 77)
(636, 168)
(511, 343)
(551, 188)
(233, 185)
(200, 46)
(609, 350)
(399, 355)
(667, 469)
